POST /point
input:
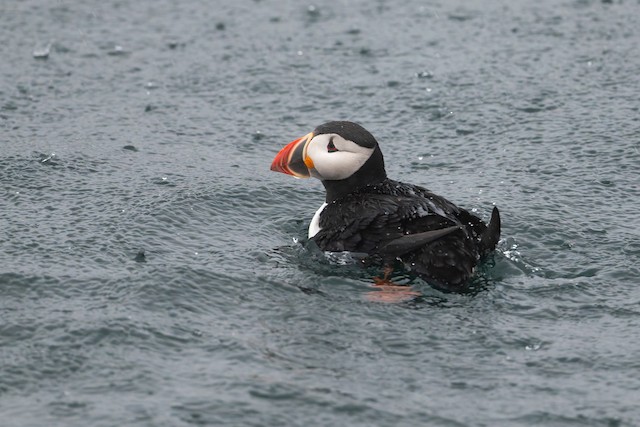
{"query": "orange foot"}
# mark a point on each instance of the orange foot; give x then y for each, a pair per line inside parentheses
(389, 292)
(384, 281)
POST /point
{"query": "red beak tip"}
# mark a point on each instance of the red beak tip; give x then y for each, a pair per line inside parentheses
(289, 159)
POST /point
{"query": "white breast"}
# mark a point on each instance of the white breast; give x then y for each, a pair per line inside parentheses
(314, 227)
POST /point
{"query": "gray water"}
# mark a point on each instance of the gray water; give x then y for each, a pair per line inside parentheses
(154, 272)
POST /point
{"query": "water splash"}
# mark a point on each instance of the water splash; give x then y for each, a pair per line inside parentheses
(49, 158)
(345, 258)
(509, 248)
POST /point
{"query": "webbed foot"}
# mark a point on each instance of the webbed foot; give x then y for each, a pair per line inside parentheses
(389, 292)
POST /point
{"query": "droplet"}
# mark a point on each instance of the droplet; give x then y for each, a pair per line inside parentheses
(43, 52)
(533, 347)
(117, 50)
(313, 11)
(49, 157)
(258, 136)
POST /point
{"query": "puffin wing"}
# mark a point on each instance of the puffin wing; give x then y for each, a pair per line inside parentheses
(358, 225)
(402, 245)
(387, 224)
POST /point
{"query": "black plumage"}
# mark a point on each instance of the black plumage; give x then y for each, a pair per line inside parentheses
(367, 219)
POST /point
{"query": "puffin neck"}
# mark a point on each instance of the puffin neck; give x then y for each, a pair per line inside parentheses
(372, 172)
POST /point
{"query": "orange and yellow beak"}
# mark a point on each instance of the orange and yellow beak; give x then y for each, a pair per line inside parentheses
(293, 159)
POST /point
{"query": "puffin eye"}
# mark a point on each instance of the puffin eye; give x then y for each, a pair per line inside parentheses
(330, 147)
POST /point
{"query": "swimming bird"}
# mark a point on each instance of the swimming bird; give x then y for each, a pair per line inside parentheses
(365, 211)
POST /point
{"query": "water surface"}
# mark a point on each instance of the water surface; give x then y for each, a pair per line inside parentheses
(153, 271)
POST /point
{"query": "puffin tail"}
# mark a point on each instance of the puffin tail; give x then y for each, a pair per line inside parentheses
(491, 235)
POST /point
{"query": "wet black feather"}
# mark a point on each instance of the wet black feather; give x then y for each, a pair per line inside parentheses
(367, 219)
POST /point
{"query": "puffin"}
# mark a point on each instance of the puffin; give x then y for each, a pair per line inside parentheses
(390, 221)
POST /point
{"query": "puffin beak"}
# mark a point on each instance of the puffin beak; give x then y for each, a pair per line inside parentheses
(293, 159)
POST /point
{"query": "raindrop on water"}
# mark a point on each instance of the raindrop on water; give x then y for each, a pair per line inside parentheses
(49, 157)
(43, 52)
(313, 11)
(117, 51)
(533, 347)
(424, 75)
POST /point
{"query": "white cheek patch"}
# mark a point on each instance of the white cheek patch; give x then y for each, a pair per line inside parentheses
(339, 164)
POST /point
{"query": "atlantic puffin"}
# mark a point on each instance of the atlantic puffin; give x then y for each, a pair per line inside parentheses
(390, 221)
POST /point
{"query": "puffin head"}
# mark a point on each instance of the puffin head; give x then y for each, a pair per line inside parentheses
(343, 155)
